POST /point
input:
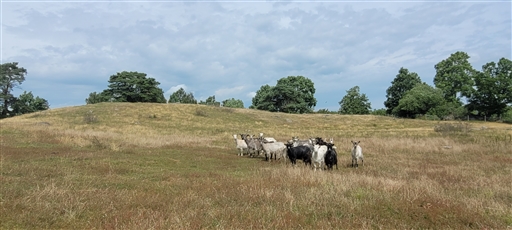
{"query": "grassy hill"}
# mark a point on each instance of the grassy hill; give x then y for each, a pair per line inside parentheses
(161, 166)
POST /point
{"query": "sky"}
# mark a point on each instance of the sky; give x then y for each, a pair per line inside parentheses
(231, 48)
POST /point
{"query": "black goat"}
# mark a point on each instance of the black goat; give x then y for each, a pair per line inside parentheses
(298, 153)
(331, 157)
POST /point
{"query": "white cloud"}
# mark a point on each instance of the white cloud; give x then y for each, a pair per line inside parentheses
(175, 88)
(231, 49)
(227, 93)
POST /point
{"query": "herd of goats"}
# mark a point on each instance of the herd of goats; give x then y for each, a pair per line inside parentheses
(313, 151)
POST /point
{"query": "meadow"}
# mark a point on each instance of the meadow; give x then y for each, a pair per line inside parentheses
(175, 166)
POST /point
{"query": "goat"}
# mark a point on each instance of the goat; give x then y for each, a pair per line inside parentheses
(298, 153)
(240, 144)
(253, 144)
(357, 153)
(267, 139)
(319, 141)
(331, 157)
(273, 149)
(318, 158)
(297, 142)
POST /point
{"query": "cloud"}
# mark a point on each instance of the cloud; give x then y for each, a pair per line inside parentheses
(231, 49)
(229, 92)
(175, 88)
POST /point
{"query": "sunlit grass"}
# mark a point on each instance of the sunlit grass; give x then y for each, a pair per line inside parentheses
(171, 166)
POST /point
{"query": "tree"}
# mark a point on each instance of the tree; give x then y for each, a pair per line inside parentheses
(403, 82)
(419, 100)
(354, 102)
(97, 98)
(10, 76)
(263, 99)
(493, 89)
(293, 94)
(454, 77)
(233, 103)
(379, 112)
(210, 101)
(180, 96)
(26, 103)
(134, 87)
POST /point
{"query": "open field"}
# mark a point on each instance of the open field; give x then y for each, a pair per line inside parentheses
(172, 166)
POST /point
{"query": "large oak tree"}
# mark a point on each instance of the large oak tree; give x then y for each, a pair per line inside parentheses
(292, 94)
(454, 77)
(493, 88)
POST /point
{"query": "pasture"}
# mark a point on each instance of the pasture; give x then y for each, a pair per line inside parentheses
(176, 166)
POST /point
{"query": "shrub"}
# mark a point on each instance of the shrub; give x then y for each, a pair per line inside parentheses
(451, 127)
(201, 113)
(89, 117)
(507, 117)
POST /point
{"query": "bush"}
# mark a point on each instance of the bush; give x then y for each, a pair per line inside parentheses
(507, 117)
(89, 117)
(379, 112)
(201, 113)
(451, 127)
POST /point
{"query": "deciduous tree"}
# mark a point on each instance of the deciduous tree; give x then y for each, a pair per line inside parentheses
(292, 94)
(454, 77)
(233, 103)
(210, 101)
(403, 82)
(419, 100)
(354, 102)
(180, 96)
(493, 88)
(26, 103)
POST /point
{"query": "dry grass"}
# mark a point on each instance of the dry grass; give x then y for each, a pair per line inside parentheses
(153, 166)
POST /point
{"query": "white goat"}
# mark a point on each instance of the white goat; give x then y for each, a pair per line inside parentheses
(267, 139)
(357, 153)
(274, 150)
(318, 159)
(241, 145)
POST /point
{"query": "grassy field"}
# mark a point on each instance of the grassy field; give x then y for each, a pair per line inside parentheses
(175, 166)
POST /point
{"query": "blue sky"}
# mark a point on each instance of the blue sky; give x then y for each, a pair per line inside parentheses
(231, 48)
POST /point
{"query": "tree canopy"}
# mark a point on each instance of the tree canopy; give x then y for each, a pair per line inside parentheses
(97, 97)
(210, 101)
(180, 96)
(129, 87)
(354, 102)
(292, 94)
(454, 77)
(403, 82)
(233, 103)
(493, 88)
(26, 103)
(419, 100)
(12, 76)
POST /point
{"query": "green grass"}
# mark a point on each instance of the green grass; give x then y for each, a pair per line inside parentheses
(168, 166)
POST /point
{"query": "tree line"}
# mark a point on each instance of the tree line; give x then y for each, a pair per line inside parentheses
(487, 92)
(12, 76)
